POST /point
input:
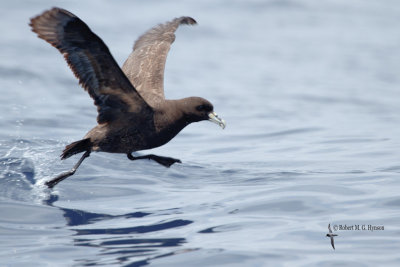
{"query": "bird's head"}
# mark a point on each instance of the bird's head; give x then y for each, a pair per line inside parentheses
(199, 109)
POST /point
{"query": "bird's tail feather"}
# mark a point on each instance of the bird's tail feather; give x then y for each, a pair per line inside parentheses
(76, 147)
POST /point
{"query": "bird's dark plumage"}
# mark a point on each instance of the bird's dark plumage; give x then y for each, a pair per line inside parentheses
(91, 62)
(133, 113)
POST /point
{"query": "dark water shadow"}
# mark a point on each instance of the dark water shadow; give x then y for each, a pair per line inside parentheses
(134, 230)
(123, 244)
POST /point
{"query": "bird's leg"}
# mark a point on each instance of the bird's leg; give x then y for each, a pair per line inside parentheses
(165, 161)
(67, 174)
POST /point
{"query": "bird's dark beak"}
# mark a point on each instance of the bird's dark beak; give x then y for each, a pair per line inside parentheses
(214, 118)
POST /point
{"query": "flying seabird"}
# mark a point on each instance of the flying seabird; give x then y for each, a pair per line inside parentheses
(331, 235)
(133, 113)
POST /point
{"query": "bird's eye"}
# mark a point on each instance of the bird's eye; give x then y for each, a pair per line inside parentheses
(204, 107)
(201, 108)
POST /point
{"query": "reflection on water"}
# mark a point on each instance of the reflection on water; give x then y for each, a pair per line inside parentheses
(79, 217)
(120, 242)
(134, 230)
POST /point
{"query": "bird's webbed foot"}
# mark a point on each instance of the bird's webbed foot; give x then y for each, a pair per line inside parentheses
(165, 161)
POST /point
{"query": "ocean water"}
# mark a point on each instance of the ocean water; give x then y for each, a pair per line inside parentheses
(310, 91)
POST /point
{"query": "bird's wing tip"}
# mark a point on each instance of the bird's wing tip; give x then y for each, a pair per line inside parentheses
(187, 20)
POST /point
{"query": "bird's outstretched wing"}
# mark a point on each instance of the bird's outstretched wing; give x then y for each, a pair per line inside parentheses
(145, 65)
(91, 62)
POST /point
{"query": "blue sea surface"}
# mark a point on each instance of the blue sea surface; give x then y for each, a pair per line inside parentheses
(310, 91)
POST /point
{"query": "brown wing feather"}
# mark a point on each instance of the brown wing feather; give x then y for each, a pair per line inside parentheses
(91, 62)
(145, 65)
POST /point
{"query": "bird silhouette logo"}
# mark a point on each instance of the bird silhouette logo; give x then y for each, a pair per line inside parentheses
(331, 236)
